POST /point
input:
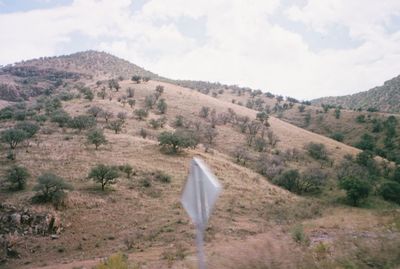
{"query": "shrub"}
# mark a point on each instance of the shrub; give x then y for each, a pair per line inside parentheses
(337, 113)
(270, 166)
(61, 117)
(390, 191)
(260, 144)
(29, 128)
(96, 137)
(50, 188)
(136, 78)
(302, 108)
(127, 169)
(13, 137)
(241, 154)
(312, 180)
(131, 102)
(176, 141)
(337, 136)
(103, 174)
(40, 118)
(82, 122)
(143, 133)
(317, 151)
(95, 111)
(356, 189)
(367, 142)
(162, 177)
(179, 121)
(360, 118)
(16, 177)
(204, 111)
(20, 115)
(141, 114)
(115, 125)
(288, 180)
(162, 106)
(116, 261)
(7, 113)
(396, 174)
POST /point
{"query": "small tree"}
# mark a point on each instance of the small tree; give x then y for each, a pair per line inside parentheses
(367, 142)
(115, 125)
(13, 137)
(241, 154)
(141, 114)
(356, 189)
(337, 113)
(130, 92)
(131, 102)
(122, 116)
(82, 122)
(104, 174)
(174, 142)
(17, 176)
(60, 117)
(29, 128)
(204, 111)
(102, 94)
(390, 191)
(96, 137)
(209, 134)
(95, 111)
(288, 180)
(317, 151)
(136, 78)
(149, 101)
(337, 136)
(302, 108)
(127, 169)
(106, 115)
(162, 106)
(50, 188)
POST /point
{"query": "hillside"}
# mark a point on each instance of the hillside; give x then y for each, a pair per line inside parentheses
(383, 98)
(256, 224)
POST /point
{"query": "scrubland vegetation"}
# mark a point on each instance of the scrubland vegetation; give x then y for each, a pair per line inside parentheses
(107, 158)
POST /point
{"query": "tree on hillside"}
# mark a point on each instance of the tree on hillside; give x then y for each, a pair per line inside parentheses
(204, 112)
(104, 174)
(95, 111)
(174, 142)
(13, 137)
(106, 115)
(367, 142)
(302, 108)
(16, 177)
(131, 102)
(82, 122)
(356, 189)
(116, 125)
(51, 188)
(60, 117)
(136, 78)
(317, 151)
(337, 113)
(162, 106)
(29, 128)
(141, 114)
(96, 137)
(209, 135)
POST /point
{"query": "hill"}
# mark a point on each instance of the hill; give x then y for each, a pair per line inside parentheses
(383, 98)
(140, 214)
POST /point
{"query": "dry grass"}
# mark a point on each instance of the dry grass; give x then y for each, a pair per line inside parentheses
(252, 217)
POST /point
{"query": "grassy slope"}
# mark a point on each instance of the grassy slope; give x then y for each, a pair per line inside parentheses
(98, 223)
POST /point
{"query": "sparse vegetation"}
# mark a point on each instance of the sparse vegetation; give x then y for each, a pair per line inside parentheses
(51, 188)
(96, 137)
(16, 177)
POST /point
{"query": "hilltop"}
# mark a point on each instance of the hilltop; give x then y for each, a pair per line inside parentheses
(281, 206)
(383, 98)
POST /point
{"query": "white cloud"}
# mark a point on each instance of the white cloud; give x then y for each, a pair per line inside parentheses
(242, 44)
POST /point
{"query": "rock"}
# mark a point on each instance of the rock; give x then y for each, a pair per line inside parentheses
(16, 219)
(54, 236)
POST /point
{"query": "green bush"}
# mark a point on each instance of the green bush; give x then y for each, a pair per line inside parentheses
(174, 142)
(356, 189)
(29, 128)
(337, 136)
(61, 117)
(367, 142)
(390, 191)
(16, 177)
(141, 114)
(127, 169)
(50, 188)
(96, 137)
(317, 151)
(162, 177)
(288, 179)
(7, 113)
(104, 174)
(13, 137)
(82, 122)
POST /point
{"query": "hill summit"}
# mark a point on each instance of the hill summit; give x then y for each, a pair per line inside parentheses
(384, 98)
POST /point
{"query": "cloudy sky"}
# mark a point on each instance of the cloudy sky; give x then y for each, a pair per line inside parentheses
(299, 48)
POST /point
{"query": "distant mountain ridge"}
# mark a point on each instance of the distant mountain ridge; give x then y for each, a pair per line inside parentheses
(385, 98)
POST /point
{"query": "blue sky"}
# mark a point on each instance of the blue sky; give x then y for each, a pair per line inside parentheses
(300, 48)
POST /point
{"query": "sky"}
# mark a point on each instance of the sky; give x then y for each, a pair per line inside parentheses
(300, 48)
